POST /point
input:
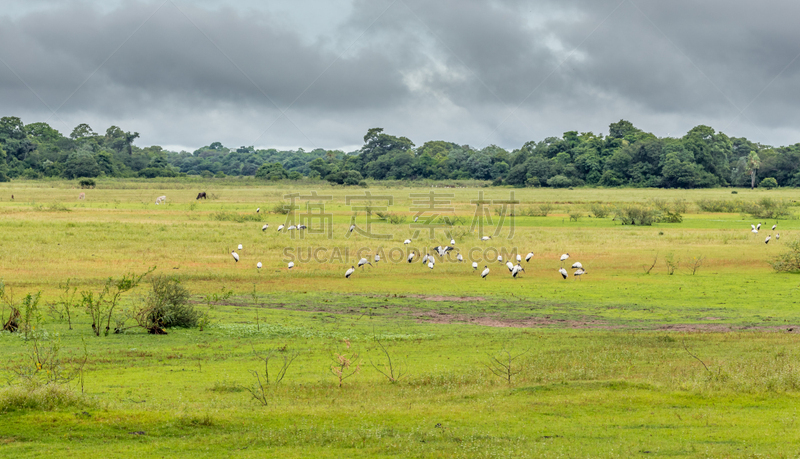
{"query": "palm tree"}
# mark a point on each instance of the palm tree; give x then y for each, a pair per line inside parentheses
(753, 163)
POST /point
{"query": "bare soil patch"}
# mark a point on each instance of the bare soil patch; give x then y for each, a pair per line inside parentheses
(447, 298)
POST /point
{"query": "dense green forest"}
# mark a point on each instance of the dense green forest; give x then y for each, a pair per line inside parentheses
(627, 156)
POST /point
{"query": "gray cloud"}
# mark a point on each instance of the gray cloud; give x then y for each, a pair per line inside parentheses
(474, 72)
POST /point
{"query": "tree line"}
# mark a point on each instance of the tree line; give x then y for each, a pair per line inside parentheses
(627, 156)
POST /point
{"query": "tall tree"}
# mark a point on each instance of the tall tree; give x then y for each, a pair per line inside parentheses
(753, 164)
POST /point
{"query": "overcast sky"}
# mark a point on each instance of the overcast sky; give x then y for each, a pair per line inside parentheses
(319, 73)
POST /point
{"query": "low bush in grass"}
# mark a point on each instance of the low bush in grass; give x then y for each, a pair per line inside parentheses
(41, 398)
(168, 303)
(788, 261)
(223, 216)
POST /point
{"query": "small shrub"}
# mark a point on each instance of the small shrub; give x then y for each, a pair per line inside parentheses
(600, 210)
(575, 215)
(559, 181)
(768, 208)
(87, 183)
(281, 208)
(768, 183)
(168, 304)
(788, 261)
(635, 215)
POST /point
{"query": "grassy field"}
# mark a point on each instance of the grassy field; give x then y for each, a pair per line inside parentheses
(697, 357)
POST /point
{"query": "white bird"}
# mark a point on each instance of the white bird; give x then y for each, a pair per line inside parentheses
(564, 257)
(425, 259)
(563, 272)
(452, 242)
(577, 265)
(416, 218)
(259, 265)
(517, 269)
(363, 262)
(579, 272)
(258, 209)
(280, 227)
(519, 258)
(291, 228)
(377, 258)
(264, 228)
(349, 272)
(411, 256)
(407, 241)
(528, 256)
(499, 258)
(485, 272)
(291, 265)
(459, 258)
(778, 236)
(766, 241)
(510, 266)
(235, 256)
(352, 227)
(752, 226)
(774, 226)
(430, 264)
(486, 238)
(474, 265)
(758, 227)
(301, 227)
(754, 231)
(240, 246)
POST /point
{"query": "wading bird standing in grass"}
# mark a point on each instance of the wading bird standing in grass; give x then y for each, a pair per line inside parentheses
(519, 258)
(528, 257)
(485, 272)
(349, 272)
(264, 228)
(407, 241)
(459, 258)
(499, 258)
(377, 259)
(766, 241)
(774, 226)
(475, 265)
(758, 227)
(301, 227)
(564, 258)
(778, 236)
(290, 265)
(517, 269)
(352, 227)
(563, 273)
(280, 228)
(259, 265)
(424, 258)
(486, 238)
(510, 266)
(579, 273)
(235, 256)
(291, 228)
(452, 242)
(754, 231)
(258, 209)
(363, 262)
(430, 263)
(240, 246)
(577, 265)
(411, 256)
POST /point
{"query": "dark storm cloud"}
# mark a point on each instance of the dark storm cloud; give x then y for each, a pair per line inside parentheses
(454, 70)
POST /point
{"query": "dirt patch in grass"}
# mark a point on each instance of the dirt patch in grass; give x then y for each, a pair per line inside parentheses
(447, 298)
(495, 321)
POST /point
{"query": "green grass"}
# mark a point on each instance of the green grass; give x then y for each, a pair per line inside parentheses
(618, 364)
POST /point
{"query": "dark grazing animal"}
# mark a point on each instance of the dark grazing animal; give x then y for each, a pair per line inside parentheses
(201, 195)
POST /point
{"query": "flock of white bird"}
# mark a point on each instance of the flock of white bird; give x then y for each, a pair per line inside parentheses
(757, 228)
(429, 260)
